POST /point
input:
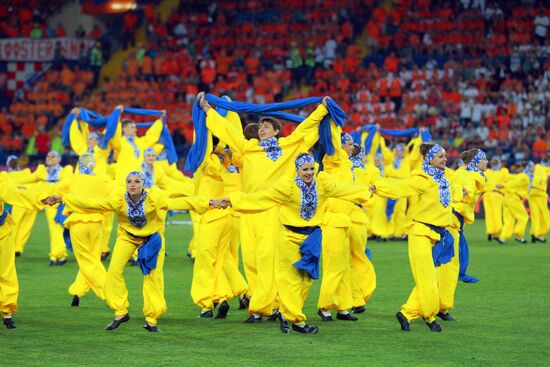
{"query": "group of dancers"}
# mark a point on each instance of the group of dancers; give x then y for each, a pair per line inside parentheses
(294, 219)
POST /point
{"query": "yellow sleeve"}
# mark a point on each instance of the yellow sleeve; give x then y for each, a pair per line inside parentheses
(175, 188)
(195, 203)
(308, 130)
(355, 193)
(77, 138)
(81, 204)
(414, 154)
(115, 142)
(153, 134)
(262, 200)
(224, 130)
(387, 154)
(10, 194)
(398, 188)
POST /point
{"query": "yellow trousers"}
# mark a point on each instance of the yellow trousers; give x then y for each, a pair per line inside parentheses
(9, 286)
(259, 233)
(195, 220)
(424, 298)
(23, 220)
(209, 284)
(86, 239)
(107, 229)
(235, 238)
(379, 225)
(447, 275)
(335, 291)
(293, 284)
(363, 276)
(540, 217)
(116, 293)
(493, 204)
(398, 218)
(515, 217)
(58, 251)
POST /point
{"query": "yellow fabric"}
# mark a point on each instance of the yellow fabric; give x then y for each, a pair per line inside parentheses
(474, 184)
(515, 217)
(127, 161)
(86, 239)
(107, 229)
(493, 203)
(78, 144)
(116, 293)
(448, 275)
(363, 276)
(538, 202)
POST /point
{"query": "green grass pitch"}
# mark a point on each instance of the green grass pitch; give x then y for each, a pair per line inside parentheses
(501, 321)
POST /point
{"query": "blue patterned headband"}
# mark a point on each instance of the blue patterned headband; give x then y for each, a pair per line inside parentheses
(136, 173)
(432, 152)
(480, 155)
(11, 158)
(93, 135)
(149, 150)
(301, 160)
(57, 155)
(345, 138)
(528, 167)
(400, 148)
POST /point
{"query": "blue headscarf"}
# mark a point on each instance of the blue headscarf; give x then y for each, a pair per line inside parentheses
(357, 160)
(497, 166)
(12, 158)
(85, 169)
(438, 175)
(149, 173)
(96, 137)
(472, 166)
(398, 160)
(346, 138)
(528, 173)
(53, 172)
(136, 211)
(309, 197)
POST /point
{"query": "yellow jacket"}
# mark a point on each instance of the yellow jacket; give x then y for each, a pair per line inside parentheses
(474, 184)
(539, 186)
(258, 170)
(495, 178)
(78, 144)
(517, 184)
(10, 194)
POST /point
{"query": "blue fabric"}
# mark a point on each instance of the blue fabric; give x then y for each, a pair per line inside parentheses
(136, 211)
(424, 134)
(59, 217)
(310, 250)
(472, 166)
(198, 150)
(8, 207)
(301, 160)
(463, 253)
(443, 251)
(368, 252)
(67, 239)
(357, 160)
(148, 253)
(3, 216)
(53, 173)
(390, 208)
(271, 148)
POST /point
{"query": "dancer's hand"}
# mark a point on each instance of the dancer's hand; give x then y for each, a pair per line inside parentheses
(464, 192)
(218, 204)
(202, 102)
(325, 101)
(163, 114)
(76, 111)
(119, 107)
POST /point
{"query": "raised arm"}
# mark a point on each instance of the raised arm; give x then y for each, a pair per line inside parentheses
(77, 138)
(224, 130)
(308, 130)
(153, 134)
(387, 154)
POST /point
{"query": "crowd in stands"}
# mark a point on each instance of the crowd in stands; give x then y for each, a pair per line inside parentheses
(474, 72)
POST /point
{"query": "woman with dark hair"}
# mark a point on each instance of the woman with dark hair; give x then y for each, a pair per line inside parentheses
(430, 242)
(141, 219)
(301, 200)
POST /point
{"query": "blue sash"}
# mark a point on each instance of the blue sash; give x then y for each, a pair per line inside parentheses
(390, 207)
(310, 249)
(443, 251)
(148, 253)
(463, 253)
(3, 216)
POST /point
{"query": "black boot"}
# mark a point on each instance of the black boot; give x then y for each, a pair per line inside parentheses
(405, 326)
(306, 329)
(323, 317)
(105, 255)
(253, 320)
(10, 324)
(284, 327)
(223, 310)
(359, 309)
(445, 316)
(489, 237)
(116, 323)
(346, 317)
(206, 314)
(434, 326)
(151, 328)
(244, 302)
(75, 302)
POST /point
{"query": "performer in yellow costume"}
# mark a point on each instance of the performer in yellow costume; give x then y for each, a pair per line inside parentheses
(430, 243)
(379, 224)
(130, 147)
(538, 201)
(301, 200)
(84, 141)
(141, 215)
(264, 161)
(9, 286)
(47, 178)
(493, 198)
(516, 189)
(86, 229)
(23, 218)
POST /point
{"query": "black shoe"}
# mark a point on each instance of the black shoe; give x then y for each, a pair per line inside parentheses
(10, 324)
(17, 253)
(285, 329)
(403, 321)
(52, 263)
(346, 317)
(306, 329)
(133, 262)
(223, 310)
(105, 255)
(537, 239)
(244, 302)
(116, 323)
(445, 316)
(520, 240)
(359, 309)
(75, 302)
(434, 326)
(151, 328)
(323, 317)
(489, 237)
(274, 316)
(61, 262)
(253, 320)
(206, 314)
(501, 241)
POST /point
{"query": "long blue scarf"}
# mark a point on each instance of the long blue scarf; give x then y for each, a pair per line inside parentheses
(198, 150)
(310, 250)
(148, 253)
(309, 198)
(357, 160)
(438, 175)
(463, 253)
(149, 175)
(272, 148)
(529, 174)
